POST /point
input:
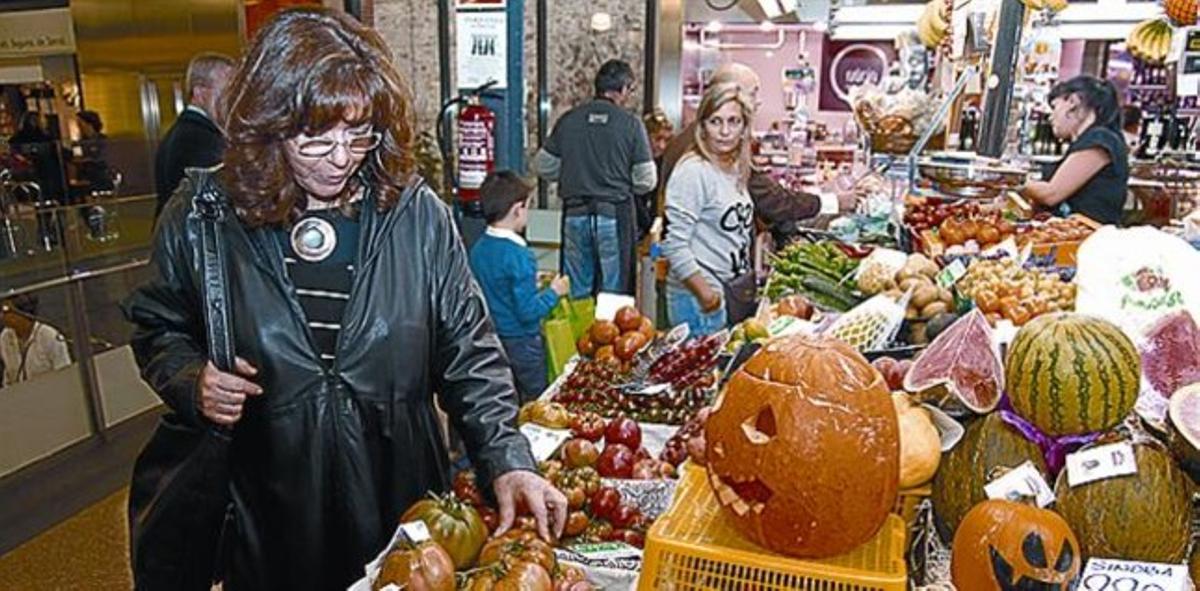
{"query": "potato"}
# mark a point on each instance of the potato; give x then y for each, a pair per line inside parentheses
(914, 283)
(933, 309)
(945, 295)
(924, 295)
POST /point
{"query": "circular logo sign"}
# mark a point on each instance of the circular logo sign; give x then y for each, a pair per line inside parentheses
(855, 65)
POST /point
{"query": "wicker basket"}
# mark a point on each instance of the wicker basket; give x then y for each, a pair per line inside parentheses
(891, 134)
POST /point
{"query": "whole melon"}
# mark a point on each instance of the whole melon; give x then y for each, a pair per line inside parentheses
(1070, 374)
(803, 448)
(1141, 516)
(989, 444)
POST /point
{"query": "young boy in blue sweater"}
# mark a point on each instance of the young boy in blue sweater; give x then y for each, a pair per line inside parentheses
(507, 272)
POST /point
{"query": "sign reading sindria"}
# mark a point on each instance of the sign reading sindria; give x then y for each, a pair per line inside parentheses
(36, 32)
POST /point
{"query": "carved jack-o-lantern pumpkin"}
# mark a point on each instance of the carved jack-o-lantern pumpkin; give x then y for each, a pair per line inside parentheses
(803, 448)
(1010, 546)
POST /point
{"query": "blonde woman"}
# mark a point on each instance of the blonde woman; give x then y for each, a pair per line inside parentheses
(710, 218)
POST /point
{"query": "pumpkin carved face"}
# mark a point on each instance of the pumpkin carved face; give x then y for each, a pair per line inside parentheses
(803, 448)
(1008, 546)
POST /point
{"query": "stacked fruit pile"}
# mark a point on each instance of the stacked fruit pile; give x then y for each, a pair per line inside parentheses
(619, 340)
(600, 387)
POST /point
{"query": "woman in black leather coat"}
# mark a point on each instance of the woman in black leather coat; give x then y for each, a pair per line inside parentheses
(352, 306)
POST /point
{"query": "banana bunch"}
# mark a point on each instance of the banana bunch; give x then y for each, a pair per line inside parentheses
(932, 25)
(1150, 41)
(1051, 5)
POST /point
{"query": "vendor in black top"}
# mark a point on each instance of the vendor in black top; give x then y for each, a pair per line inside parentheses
(1093, 178)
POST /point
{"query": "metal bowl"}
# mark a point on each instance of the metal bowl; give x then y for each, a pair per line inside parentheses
(970, 179)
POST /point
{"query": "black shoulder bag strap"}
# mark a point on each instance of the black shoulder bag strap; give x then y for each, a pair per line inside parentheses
(179, 505)
(209, 208)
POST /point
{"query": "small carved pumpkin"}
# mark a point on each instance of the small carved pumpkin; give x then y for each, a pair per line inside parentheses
(803, 448)
(1011, 546)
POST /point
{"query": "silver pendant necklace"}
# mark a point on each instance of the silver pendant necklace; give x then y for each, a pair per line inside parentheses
(313, 239)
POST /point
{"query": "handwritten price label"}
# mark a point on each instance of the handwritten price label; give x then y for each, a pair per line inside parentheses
(1104, 574)
(415, 532)
(1023, 481)
(542, 441)
(1100, 463)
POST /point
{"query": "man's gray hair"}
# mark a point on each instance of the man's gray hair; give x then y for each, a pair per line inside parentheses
(202, 69)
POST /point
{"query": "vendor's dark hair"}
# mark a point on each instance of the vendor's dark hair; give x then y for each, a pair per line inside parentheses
(1096, 94)
(613, 76)
(307, 70)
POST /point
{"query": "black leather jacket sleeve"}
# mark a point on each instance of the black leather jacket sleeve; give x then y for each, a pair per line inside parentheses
(167, 339)
(474, 380)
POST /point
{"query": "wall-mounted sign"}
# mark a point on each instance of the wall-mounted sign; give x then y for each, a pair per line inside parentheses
(36, 32)
(482, 47)
(849, 64)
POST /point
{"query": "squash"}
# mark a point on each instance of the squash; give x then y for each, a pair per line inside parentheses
(1011, 545)
(920, 443)
(803, 448)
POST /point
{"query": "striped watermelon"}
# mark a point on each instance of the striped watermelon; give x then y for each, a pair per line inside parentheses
(1143, 516)
(1070, 374)
(988, 446)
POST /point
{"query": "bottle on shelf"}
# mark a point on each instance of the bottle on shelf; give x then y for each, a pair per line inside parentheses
(968, 129)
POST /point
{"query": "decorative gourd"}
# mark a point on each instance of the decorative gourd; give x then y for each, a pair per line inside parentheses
(1142, 516)
(1005, 545)
(920, 444)
(988, 447)
(803, 448)
(1070, 374)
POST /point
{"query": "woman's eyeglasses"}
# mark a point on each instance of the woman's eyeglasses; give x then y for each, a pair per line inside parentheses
(358, 145)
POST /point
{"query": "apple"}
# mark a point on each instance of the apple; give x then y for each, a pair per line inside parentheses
(616, 461)
(625, 431)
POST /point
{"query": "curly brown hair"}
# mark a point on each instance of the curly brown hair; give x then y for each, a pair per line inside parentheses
(307, 70)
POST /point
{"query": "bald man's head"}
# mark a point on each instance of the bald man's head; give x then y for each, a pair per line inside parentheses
(741, 75)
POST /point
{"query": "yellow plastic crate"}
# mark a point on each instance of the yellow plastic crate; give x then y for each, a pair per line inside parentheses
(694, 547)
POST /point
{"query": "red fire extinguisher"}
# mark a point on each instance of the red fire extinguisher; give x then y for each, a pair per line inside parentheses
(476, 148)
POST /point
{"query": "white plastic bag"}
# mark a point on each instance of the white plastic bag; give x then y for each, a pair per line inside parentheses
(1133, 277)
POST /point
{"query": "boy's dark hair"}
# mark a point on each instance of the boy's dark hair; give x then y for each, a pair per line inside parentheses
(501, 190)
(1098, 95)
(613, 76)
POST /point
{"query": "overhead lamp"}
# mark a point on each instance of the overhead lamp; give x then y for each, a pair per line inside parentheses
(766, 26)
(776, 8)
(713, 26)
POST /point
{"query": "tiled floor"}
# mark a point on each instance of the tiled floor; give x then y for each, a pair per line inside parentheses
(87, 551)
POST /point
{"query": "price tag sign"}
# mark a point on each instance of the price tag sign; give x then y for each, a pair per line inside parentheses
(542, 441)
(1104, 574)
(1024, 481)
(415, 532)
(1100, 463)
(952, 273)
(607, 551)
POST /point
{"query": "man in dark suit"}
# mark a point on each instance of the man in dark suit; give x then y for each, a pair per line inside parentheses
(194, 139)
